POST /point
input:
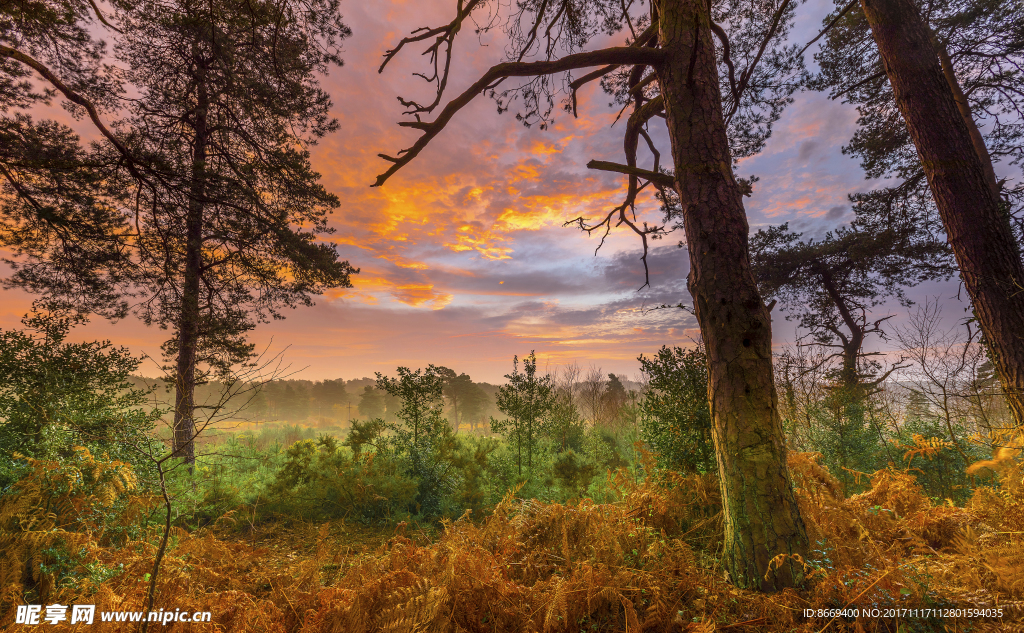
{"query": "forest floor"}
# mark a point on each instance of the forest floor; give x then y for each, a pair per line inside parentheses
(285, 542)
(645, 563)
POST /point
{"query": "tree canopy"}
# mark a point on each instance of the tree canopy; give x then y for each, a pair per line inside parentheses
(221, 230)
(831, 284)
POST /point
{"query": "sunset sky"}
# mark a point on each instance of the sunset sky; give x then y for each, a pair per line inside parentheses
(464, 260)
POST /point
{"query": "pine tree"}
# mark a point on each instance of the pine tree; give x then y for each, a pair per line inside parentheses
(221, 234)
(371, 403)
(830, 285)
(921, 78)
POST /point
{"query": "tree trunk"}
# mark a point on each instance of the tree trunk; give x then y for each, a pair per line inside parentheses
(976, 223)
(849, 377)
(965, 113)
(188, 318)
(762, 520)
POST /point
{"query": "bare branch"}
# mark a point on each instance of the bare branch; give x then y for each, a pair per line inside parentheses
(642, 113)
(446, 36)
(860, 83)
(635, 90)
(591, 76)
(615, 55)
(533, 32)
(645, 37)
(880, 380)
(657, 155)
(426, 33)
(99, 15)
(656, 178)
(720, 32)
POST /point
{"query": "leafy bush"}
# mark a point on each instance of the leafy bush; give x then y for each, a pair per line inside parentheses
(55, 396)
(320, 479)
(675, 419)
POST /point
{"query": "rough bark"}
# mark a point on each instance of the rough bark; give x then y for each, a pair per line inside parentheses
(965, 112)
(976, 224)
(762, 520)
(188, 319)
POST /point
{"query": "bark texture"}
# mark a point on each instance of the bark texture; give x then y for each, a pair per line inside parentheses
(762, 520)
(976, 223)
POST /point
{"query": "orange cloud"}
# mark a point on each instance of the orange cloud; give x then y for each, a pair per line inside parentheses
(421, 294)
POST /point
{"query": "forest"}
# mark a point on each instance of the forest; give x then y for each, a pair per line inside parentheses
(171, 169)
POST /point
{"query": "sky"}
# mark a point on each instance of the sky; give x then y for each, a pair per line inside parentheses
(463, 258)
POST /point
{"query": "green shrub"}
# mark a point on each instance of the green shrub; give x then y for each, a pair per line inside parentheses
(369, 433)
(842, 430)
(675, 419)
(321, 480)
(469, 470)
(574, 472)
(606, 449)
(73, 569)
(942, 472)
(55, 396)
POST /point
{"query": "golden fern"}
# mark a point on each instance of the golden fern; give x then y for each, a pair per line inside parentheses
(928, 447)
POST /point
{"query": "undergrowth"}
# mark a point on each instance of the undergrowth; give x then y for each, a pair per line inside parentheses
(646, 561)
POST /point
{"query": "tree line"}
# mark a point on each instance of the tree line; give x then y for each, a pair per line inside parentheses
(468, 405)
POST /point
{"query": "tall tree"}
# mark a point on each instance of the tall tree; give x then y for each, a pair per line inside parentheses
(669, 67)
(613, 399)
(458, 389)
(830, 285)
(920, 76)
(329, 394)
(527, 400)
(473, 406)
(223, 232)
